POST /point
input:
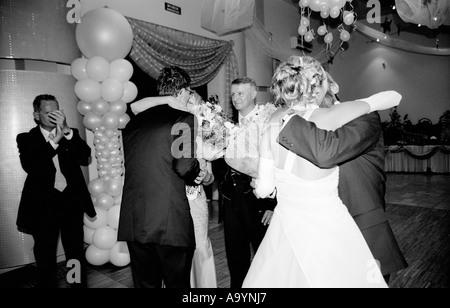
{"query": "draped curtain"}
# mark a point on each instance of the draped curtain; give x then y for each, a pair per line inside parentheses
(155, 47)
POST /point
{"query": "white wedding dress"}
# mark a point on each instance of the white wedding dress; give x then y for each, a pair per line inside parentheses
(203, 271)
(312, 240)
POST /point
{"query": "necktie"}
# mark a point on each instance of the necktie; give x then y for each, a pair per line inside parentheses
(244, 121)
(60, 180)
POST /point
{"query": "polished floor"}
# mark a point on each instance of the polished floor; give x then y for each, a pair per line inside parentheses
(418, 209)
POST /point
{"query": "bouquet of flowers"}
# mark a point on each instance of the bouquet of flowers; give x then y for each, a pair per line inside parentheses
(214, 127)
(242, 152)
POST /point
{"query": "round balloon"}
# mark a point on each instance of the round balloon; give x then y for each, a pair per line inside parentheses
(96, 187)
(100, 107)
(84, 107)
(335, 12)
(345, 35)
(123, 121)
(118, 107)
(110, 120)
(119, 255)
(97, 68)
(315, 5)
(130, 92)
(114, 188)
(104, 32)
(97, 256)
(309, 36)
(121, 70)
(328, 38)
(349, 18)
(302, 30)
(322, 30)
(112, 90)
(87, 90)
(92, 121)
(78, 68)
(304, 3)
(104, 201)
(105, 237)
(98, 221)
(88, 234)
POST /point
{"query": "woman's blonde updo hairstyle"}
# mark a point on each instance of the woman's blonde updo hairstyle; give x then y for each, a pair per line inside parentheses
(298, 81)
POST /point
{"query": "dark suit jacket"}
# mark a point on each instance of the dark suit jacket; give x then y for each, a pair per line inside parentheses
(358, 149)
(36, 208)
(155, 209)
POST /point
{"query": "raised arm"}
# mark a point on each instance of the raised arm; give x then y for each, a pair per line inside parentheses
(265, 184)
(327, 149)
(150, 102)
(341, 114)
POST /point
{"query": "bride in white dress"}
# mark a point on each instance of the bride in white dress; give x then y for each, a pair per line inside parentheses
(312, 240)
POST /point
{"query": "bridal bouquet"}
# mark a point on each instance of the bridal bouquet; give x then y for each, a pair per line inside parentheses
(242, 152)
(215, 127)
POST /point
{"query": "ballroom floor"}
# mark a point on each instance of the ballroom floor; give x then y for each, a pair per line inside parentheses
(418, 207)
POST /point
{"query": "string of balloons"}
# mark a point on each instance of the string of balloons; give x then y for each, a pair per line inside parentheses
(327, 9)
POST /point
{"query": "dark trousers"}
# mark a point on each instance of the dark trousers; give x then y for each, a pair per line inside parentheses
(68, 223)
(242, 216)
(152, 265)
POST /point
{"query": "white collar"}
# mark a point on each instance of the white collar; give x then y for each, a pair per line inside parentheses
(46, 133)
(248, 116)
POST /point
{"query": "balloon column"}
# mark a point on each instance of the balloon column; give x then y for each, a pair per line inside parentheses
(105, 37)
(326, 8)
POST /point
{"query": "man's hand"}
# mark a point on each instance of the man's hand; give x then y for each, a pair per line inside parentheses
(58, 118)
(267, 218)
(203, 172)
(176, 103)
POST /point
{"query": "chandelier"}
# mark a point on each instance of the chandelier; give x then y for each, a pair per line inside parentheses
(335, 9)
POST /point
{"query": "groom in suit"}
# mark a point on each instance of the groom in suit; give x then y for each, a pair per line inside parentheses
(358, 149)
(55, 195)
(155, 218)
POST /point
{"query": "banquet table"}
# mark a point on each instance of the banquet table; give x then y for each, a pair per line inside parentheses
(417, 158)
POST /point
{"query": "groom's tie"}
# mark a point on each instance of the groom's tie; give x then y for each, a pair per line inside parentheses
(60, 180)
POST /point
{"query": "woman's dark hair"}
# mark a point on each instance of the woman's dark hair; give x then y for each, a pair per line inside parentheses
(172, 80)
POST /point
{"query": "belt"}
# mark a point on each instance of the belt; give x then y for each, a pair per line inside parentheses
(239, 175)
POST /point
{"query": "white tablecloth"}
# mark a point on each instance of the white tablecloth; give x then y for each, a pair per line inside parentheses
(398, 159)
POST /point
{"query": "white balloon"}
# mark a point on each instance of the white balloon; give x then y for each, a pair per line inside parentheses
(119, 255)
(328, 38)
(121, 70)
(130, 92)
(87, 90)
(335, 12)
(105, 238)
(98, 68)
(88, 234)
(112, 90)
(78, 68)
(97, 256)
(322, 30)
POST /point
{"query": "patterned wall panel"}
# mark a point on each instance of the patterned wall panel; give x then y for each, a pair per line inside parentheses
(18, 88)
(37, 29)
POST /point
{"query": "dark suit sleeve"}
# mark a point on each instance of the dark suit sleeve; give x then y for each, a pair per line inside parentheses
(327, 149)
(32, 153)
(185, 163)
(77, 148)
